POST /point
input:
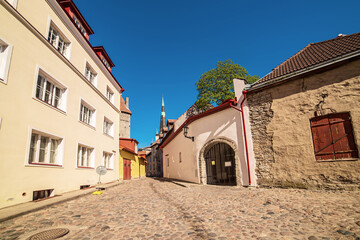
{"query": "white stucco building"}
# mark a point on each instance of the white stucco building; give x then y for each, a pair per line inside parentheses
(220, 151)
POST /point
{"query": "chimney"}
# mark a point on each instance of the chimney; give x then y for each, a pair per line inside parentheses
(127, 102)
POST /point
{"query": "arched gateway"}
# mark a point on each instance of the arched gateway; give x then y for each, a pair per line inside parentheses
(218, 163)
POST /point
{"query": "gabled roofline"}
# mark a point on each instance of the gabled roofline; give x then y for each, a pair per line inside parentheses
(225, 105)
(289, 76)
(102, 49)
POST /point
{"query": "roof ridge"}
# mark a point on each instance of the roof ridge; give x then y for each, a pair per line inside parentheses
(337, 38)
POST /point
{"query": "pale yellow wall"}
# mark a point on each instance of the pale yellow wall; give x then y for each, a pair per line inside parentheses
(20, 111)
(39, 13)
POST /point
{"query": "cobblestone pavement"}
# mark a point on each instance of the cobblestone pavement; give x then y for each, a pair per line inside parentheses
(153, 209)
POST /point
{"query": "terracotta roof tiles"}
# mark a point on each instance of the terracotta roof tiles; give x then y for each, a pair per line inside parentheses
(123, 107)
(315, 53)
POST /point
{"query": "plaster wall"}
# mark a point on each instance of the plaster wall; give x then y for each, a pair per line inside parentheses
(21, 111)
(223, 126)
(280, 122)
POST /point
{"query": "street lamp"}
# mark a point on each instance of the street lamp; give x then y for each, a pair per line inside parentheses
(186, 129)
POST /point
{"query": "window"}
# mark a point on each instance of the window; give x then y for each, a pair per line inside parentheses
(50, 92)
(105, 62)
(45, 149)
(58, 40)
(333, 137)
(5, 55)
(85, 157)
(179, 157)
(90, 74)
(108, 160)
(78, 24)
(108, 127)
(110, 95)
(87, 114)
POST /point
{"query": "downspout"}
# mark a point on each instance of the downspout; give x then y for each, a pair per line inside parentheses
(245, 138)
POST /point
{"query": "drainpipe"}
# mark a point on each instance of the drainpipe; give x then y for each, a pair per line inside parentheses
(245, 138)
(246, 145)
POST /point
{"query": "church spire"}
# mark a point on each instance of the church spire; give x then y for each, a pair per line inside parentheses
(162, 117)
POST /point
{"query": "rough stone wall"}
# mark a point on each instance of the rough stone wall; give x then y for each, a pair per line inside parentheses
(124, 130)
(280, 125)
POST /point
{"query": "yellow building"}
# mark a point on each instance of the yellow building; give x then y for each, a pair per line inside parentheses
(131, 163)
(59, 102)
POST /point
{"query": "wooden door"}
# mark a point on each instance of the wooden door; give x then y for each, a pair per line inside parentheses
(220, 165)
(127, 169)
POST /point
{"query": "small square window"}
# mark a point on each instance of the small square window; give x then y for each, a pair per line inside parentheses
(50, 91)
(110, 95)
(58, 40)
(45, 149)
(5, 56)
(87, 114)
(108, 160)
(90, 74)
(108, 127)
(85, 157)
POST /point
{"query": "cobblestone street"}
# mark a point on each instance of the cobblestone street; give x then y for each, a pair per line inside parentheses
(153, 209)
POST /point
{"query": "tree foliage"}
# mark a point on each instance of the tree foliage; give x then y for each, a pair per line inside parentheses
(216, 85)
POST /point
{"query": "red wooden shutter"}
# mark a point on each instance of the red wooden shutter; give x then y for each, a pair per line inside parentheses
(333, 137)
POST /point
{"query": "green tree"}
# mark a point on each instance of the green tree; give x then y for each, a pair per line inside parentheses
(216, 85)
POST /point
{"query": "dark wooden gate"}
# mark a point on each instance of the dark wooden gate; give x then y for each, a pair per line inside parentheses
(127, 169)
(220, 165)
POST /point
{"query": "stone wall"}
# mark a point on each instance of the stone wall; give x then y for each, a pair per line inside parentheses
(280, 125)
(124, 129)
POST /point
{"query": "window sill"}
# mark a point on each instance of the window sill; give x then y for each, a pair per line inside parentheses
(339, 160)
(80, 167)
(51, 106)
(86, 124)
(108, 135)
(43, 165)
(2, 81)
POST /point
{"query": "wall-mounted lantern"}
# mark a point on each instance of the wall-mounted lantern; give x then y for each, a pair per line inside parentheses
(186, 129)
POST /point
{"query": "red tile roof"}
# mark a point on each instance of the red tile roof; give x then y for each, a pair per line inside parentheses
(314, 54)
(123, 107)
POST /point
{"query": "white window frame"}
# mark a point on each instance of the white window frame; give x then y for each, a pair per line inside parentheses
(36, 147)
(110, 94)
(108, 160)
(41, 93)
(58, 38)
(87, 114)
(90, 74)
(5, 57)
(85, 156)
(108, 127)
(13, 3)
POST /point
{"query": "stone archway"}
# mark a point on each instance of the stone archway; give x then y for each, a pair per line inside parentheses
(202, 161)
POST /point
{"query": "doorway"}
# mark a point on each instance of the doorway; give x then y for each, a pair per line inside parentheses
(220, 165)
(127, 169)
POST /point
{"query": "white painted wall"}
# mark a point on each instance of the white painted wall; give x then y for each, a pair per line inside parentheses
(224, 124)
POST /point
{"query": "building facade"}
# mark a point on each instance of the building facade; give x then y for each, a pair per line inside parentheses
(131, 162)
(305, 118)
(59, 105)
(209, 147)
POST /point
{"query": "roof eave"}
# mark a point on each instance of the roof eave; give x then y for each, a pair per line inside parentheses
(286, 77)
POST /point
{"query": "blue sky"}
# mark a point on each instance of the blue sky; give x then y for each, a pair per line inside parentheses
(161, 47)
